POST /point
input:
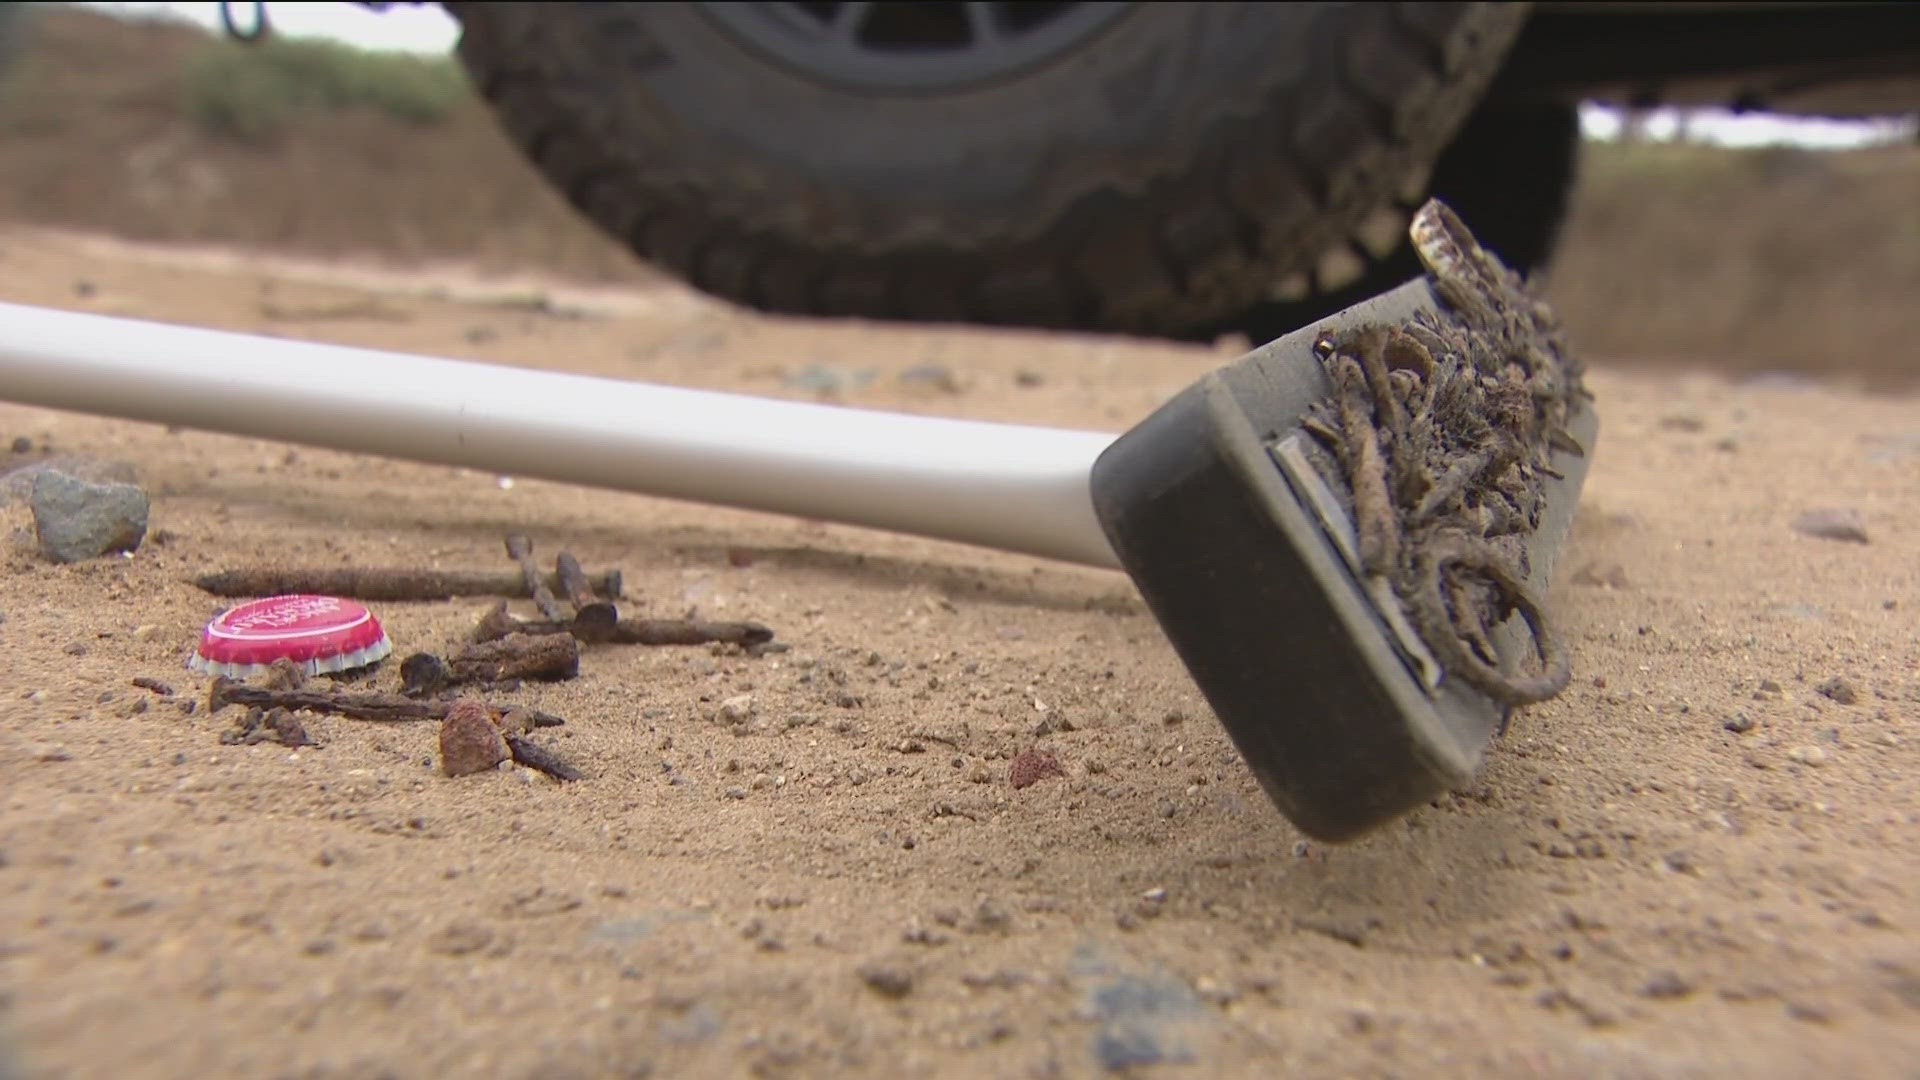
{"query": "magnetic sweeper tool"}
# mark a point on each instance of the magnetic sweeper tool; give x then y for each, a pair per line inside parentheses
(1242, 554)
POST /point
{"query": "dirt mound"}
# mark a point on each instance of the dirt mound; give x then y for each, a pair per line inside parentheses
(96, 135)
(1775, 259)
(1749, 260)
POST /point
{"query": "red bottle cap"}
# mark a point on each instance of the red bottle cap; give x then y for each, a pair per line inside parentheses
(321, 634)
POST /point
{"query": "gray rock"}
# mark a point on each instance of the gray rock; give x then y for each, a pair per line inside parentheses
(933, 377)
(829, 379)
(78, 519)
(889, 980)
(1144, 1019)
(16, 484)
(1833, 524)
(1143, 1015)
(1838, 690)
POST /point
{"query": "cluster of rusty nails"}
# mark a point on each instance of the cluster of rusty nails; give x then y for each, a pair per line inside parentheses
(267, 702)
(502, 648)
(595, 620)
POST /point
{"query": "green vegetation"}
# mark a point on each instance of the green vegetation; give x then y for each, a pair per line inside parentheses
(254, 93)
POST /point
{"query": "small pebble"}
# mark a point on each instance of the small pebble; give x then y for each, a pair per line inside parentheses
(461, 937)
(1838, 690)
(827, 379)
(1666, 986)
(1739, 723)
(1029, 767)
(1808, 755)
(1807, 1013)
(469, 742)
(932, 376)
(284, 674)
(1845, 525)
(888, 980)
(287, 729)
(735, 709)
(989, 917)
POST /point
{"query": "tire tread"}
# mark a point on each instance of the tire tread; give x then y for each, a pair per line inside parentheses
(1384, 87)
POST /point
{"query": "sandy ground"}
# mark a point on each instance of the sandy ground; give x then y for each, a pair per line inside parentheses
(845, 883)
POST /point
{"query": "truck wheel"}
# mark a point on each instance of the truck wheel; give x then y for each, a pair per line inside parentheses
(1510, 173)
(1139, 167)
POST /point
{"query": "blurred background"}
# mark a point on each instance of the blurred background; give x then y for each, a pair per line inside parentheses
(1748, 244)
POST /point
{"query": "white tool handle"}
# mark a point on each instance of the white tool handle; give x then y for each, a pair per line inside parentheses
(1013, 487)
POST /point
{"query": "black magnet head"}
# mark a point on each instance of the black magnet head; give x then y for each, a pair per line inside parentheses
(1212, 512)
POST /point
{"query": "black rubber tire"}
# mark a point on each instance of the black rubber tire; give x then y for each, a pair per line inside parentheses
(1509, 173)
(1157, 179)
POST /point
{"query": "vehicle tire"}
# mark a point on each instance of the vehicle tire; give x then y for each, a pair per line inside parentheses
(1151, 167)
(1509, 173)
